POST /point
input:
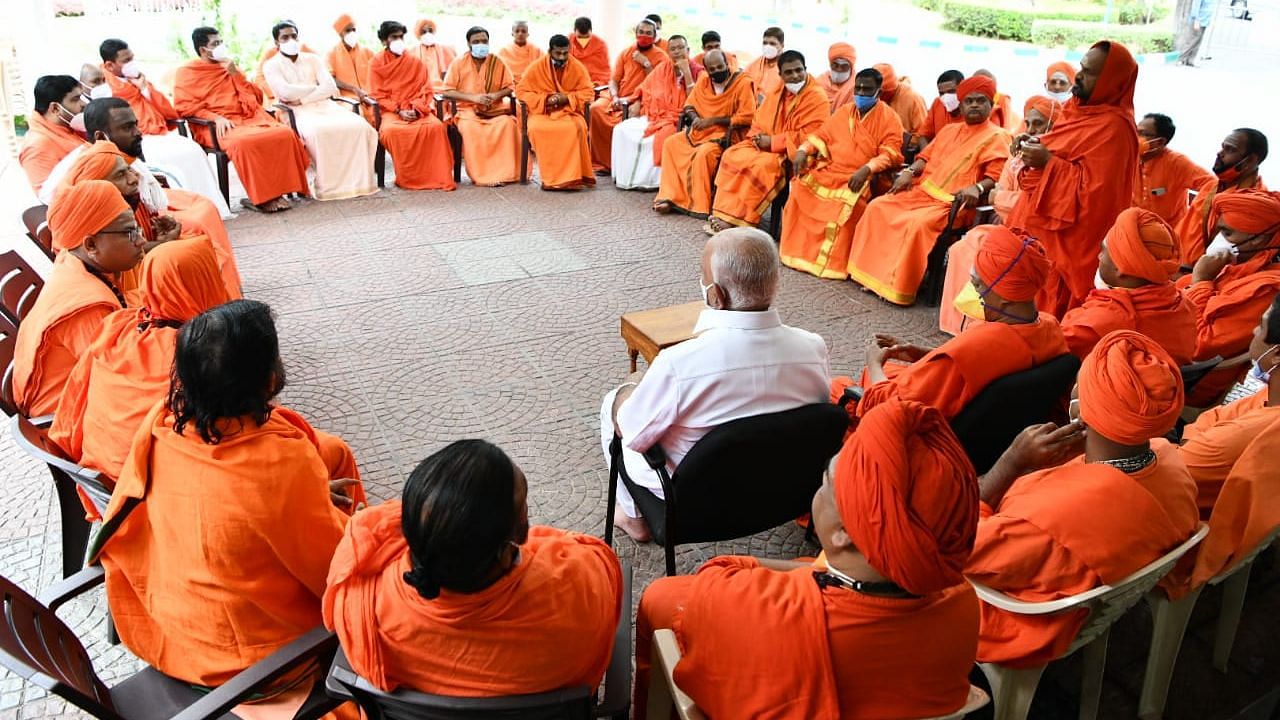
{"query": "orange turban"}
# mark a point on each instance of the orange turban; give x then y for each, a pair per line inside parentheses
(890, 85)
(1014, 268)
(180, 280)
(977, 84)
(422, 25)
(908, 496)
(1130, 389)
(1046, 106)
(83, 209)
(342, 22)
(1065, 68)
(94, 163)
(1141, 245)
(1248, 211)
(842, 50)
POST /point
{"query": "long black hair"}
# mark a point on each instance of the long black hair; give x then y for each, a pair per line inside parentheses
(458, 516)
(226, 365)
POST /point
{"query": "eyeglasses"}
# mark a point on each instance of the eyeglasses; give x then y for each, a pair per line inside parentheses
(133, 233)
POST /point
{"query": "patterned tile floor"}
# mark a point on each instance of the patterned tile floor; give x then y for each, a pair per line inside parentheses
(409, 320)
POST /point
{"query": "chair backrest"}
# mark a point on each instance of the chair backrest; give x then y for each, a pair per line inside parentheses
(38, 647)
(754, 473)
(990, 422)
(34, 441)
(8, 345)
(1195, 372)
(343, 682)
(19, 286)
(35, 218)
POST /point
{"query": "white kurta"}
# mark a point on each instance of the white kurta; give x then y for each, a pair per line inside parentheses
(341, 143)
(187, 164)
(633, 167)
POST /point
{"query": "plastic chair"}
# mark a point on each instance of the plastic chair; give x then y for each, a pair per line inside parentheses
(19, 286)
(35, 218)
(665, 696)
(8, 344)
(1013, 688)
(989, 423)
(38, 647)
(936, 269)
(741, 478)
(780, 202)
(214, 148)
(577, 703)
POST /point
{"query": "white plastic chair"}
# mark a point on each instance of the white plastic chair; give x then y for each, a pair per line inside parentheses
(1013, 688)
(1169, 620)
(665, 696)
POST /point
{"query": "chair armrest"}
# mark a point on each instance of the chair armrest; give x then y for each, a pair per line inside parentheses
(853, 393)
(617, 679)
(311, 645)
(1237, 361)
(59, 593)
(181, 125)
(293, 118)
(667, 654)
(377, 116)
(656, 457)
(355, 104)
(208, 125)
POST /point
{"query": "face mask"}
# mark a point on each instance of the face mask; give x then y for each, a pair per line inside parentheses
(1221, 246)
(769, 52)
(559, 63)
(428, 38)
(644, 42)
(480, 51)
(396, 47)
(795, 88)
(1061, 97)
(1230, 174)
(719, 78)
(220, 54)
(969, 303)
(841, 77)
(131, 69)
(64, 114)
(706, 299)
(100, 91)
(1098, 282)
(950, 101)
(77, 123)
(350, 39)
(864, 102)
(290, 47)
(1257, 373)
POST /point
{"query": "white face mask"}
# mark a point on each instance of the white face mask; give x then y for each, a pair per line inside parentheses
(131, 69)
(706, 299)
(1098, 282)
(1221, 246)
(220, 53)
(396, 47)
(795, 88)
(769, 52)
(77, 123)
(842, 77)
(428, 39)
(1257, 373)
(1061, 97)
(100, 91)
(950, 101)
(350, 39)
(290, 47)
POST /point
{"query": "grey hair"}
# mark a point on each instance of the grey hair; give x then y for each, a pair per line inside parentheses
(744, 263)
(517, 23)
(711, 53)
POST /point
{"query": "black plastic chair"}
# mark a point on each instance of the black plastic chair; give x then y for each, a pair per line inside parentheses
(935, 273)
(989, 423)
(38, 647)
(741, 478)
(36, 220)
(566, 704)
(20, 285)
(8, 346)
(780, 202)
(214, 148)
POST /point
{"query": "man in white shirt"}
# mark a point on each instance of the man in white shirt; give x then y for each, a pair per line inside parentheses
(742, 362)
(341, 143)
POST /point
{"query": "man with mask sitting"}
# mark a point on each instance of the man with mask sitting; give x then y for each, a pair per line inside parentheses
(1234, 169)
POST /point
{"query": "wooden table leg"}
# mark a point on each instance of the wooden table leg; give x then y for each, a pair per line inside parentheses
(635, 354)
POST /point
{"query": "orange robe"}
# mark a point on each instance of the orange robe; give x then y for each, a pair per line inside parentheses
(44, 147)
(690, 159)
(950, 376)
(223, 560)
(664, 96)
(351, 66)
(519, 57)
(1158, 311)
(908, 104)
(269, 158)
(822, 212)
(1070, 203)
(892, 243)
(1003, 114)
(420, 149)
(594, 56)
(750, 178)
(1192, 230)
(493, 157)
(1218, 438)
(1065, 530)
(1163, 184)
(153, 109)
(812, 653)
(559, 137)
(506, 639)
(437, 59)
(199, 216)
(628, 75)
(765, 76)
(59, 329)
(837, 94)
(938, 118)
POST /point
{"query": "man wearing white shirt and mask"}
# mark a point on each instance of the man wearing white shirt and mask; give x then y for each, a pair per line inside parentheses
(341, 144)
(742, 362)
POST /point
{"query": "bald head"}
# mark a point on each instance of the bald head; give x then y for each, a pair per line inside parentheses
(742, 264)
(91, 75)
(984, 73)
(715, 61)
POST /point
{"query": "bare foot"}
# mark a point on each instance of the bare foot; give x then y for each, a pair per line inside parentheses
(662, 207)
(635, 528)
(715, 225)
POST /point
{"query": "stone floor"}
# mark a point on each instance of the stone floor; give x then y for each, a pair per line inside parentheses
(409, 320)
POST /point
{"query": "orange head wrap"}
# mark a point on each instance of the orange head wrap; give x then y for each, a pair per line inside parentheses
(180, 279)
(1141, 245)
(94, 163)
(1065, 68)
(908, 496)
(1012, 267)
(83, 209)
(842, 50)
(422, 25)
(890, 85)
(977, 84)
(1130, 389)
(1117, 80)
(1046, 106)
(1248, 211)
(342, 22)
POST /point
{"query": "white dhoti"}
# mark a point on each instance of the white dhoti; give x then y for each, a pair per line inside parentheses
(186, 162)
(342, 145)
(637, 467)
(633, 167)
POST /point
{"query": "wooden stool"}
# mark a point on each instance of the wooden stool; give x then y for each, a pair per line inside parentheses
(647, 332)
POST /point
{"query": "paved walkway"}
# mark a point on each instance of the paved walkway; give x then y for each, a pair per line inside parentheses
(409, 320)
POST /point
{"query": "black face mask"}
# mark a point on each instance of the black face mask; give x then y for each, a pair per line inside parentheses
(720, 77)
